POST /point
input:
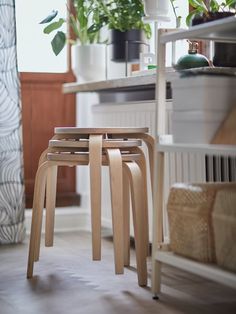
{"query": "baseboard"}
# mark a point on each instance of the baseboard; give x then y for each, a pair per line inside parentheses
(66, 219)
(106, 223)
(62, 200)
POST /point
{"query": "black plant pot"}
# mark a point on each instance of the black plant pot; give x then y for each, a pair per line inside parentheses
(225, 53)
(125, 46)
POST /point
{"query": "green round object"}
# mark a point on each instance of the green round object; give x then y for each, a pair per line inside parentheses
(192, 60)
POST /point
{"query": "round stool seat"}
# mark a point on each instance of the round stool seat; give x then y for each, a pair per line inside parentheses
(110, 130)
(106, 143)
(84, 157)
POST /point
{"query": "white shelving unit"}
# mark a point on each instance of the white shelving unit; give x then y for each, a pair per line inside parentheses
(222, 31)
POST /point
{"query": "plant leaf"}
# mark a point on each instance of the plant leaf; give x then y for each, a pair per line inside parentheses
(58, 42)
(74, 25)
(198, 4)
(50, 17)
(53, 26)
(148, 31)
(231, 3)
(191, 16)
(214, 6)
(83, 20)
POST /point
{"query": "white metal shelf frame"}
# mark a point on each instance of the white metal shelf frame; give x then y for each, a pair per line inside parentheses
(223, 30)
(217, 31)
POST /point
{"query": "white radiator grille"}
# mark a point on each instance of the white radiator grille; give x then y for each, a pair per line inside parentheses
(220, 169)
(133, 114)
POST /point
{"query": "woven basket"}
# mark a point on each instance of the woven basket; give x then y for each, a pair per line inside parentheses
(190, 209)
(224, 224)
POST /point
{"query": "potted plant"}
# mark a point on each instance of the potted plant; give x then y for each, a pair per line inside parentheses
(207, 11)
(125, 20)
(88, 53)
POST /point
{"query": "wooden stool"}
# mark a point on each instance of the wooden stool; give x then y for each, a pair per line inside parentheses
(116, 133)
(113, 132)
(83, 148)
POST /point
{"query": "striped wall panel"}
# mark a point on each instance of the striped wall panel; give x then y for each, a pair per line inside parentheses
(12, 206)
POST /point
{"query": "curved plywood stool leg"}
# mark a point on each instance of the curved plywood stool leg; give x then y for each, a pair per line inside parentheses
(126, 218)
(142, 165)
(51, 184)
(37, 213)
(136, 185)
(116, 183)
(150, 143)
(51, 188)
(95, 163)
(42, 159)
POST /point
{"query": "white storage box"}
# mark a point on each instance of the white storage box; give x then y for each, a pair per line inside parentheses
(196, 126)
(200, 104)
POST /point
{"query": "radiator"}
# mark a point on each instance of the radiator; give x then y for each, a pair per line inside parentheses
(220, 169)
(179, 167)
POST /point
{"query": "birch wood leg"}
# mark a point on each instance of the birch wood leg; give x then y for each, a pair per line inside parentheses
(95, 163)
(142, 165)
(136, 186)
(39, 224)
(42, 159)
(51, 187)
(116, 182)
(126, 218)
(150, 143)
(37, 212)
(157, 224)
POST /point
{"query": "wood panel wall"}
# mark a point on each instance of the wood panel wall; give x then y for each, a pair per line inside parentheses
(43, 108)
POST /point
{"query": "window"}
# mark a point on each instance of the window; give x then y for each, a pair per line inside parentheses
(34, 51)
(181, 46)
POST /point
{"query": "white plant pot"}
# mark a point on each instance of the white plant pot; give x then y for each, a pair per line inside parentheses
(89, 62)
(155, 9)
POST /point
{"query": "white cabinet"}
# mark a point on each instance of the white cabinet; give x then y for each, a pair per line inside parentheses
(221, 30)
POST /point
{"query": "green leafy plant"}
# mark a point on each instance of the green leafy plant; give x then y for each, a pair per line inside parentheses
(122, 15)
(201, 7)
(82, 14)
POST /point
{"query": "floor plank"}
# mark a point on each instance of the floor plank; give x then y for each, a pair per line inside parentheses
(68, 281)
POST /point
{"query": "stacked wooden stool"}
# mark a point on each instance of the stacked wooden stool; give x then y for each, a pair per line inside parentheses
(119, 149)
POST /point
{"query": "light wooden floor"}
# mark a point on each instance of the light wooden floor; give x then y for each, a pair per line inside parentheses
(68, 281)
